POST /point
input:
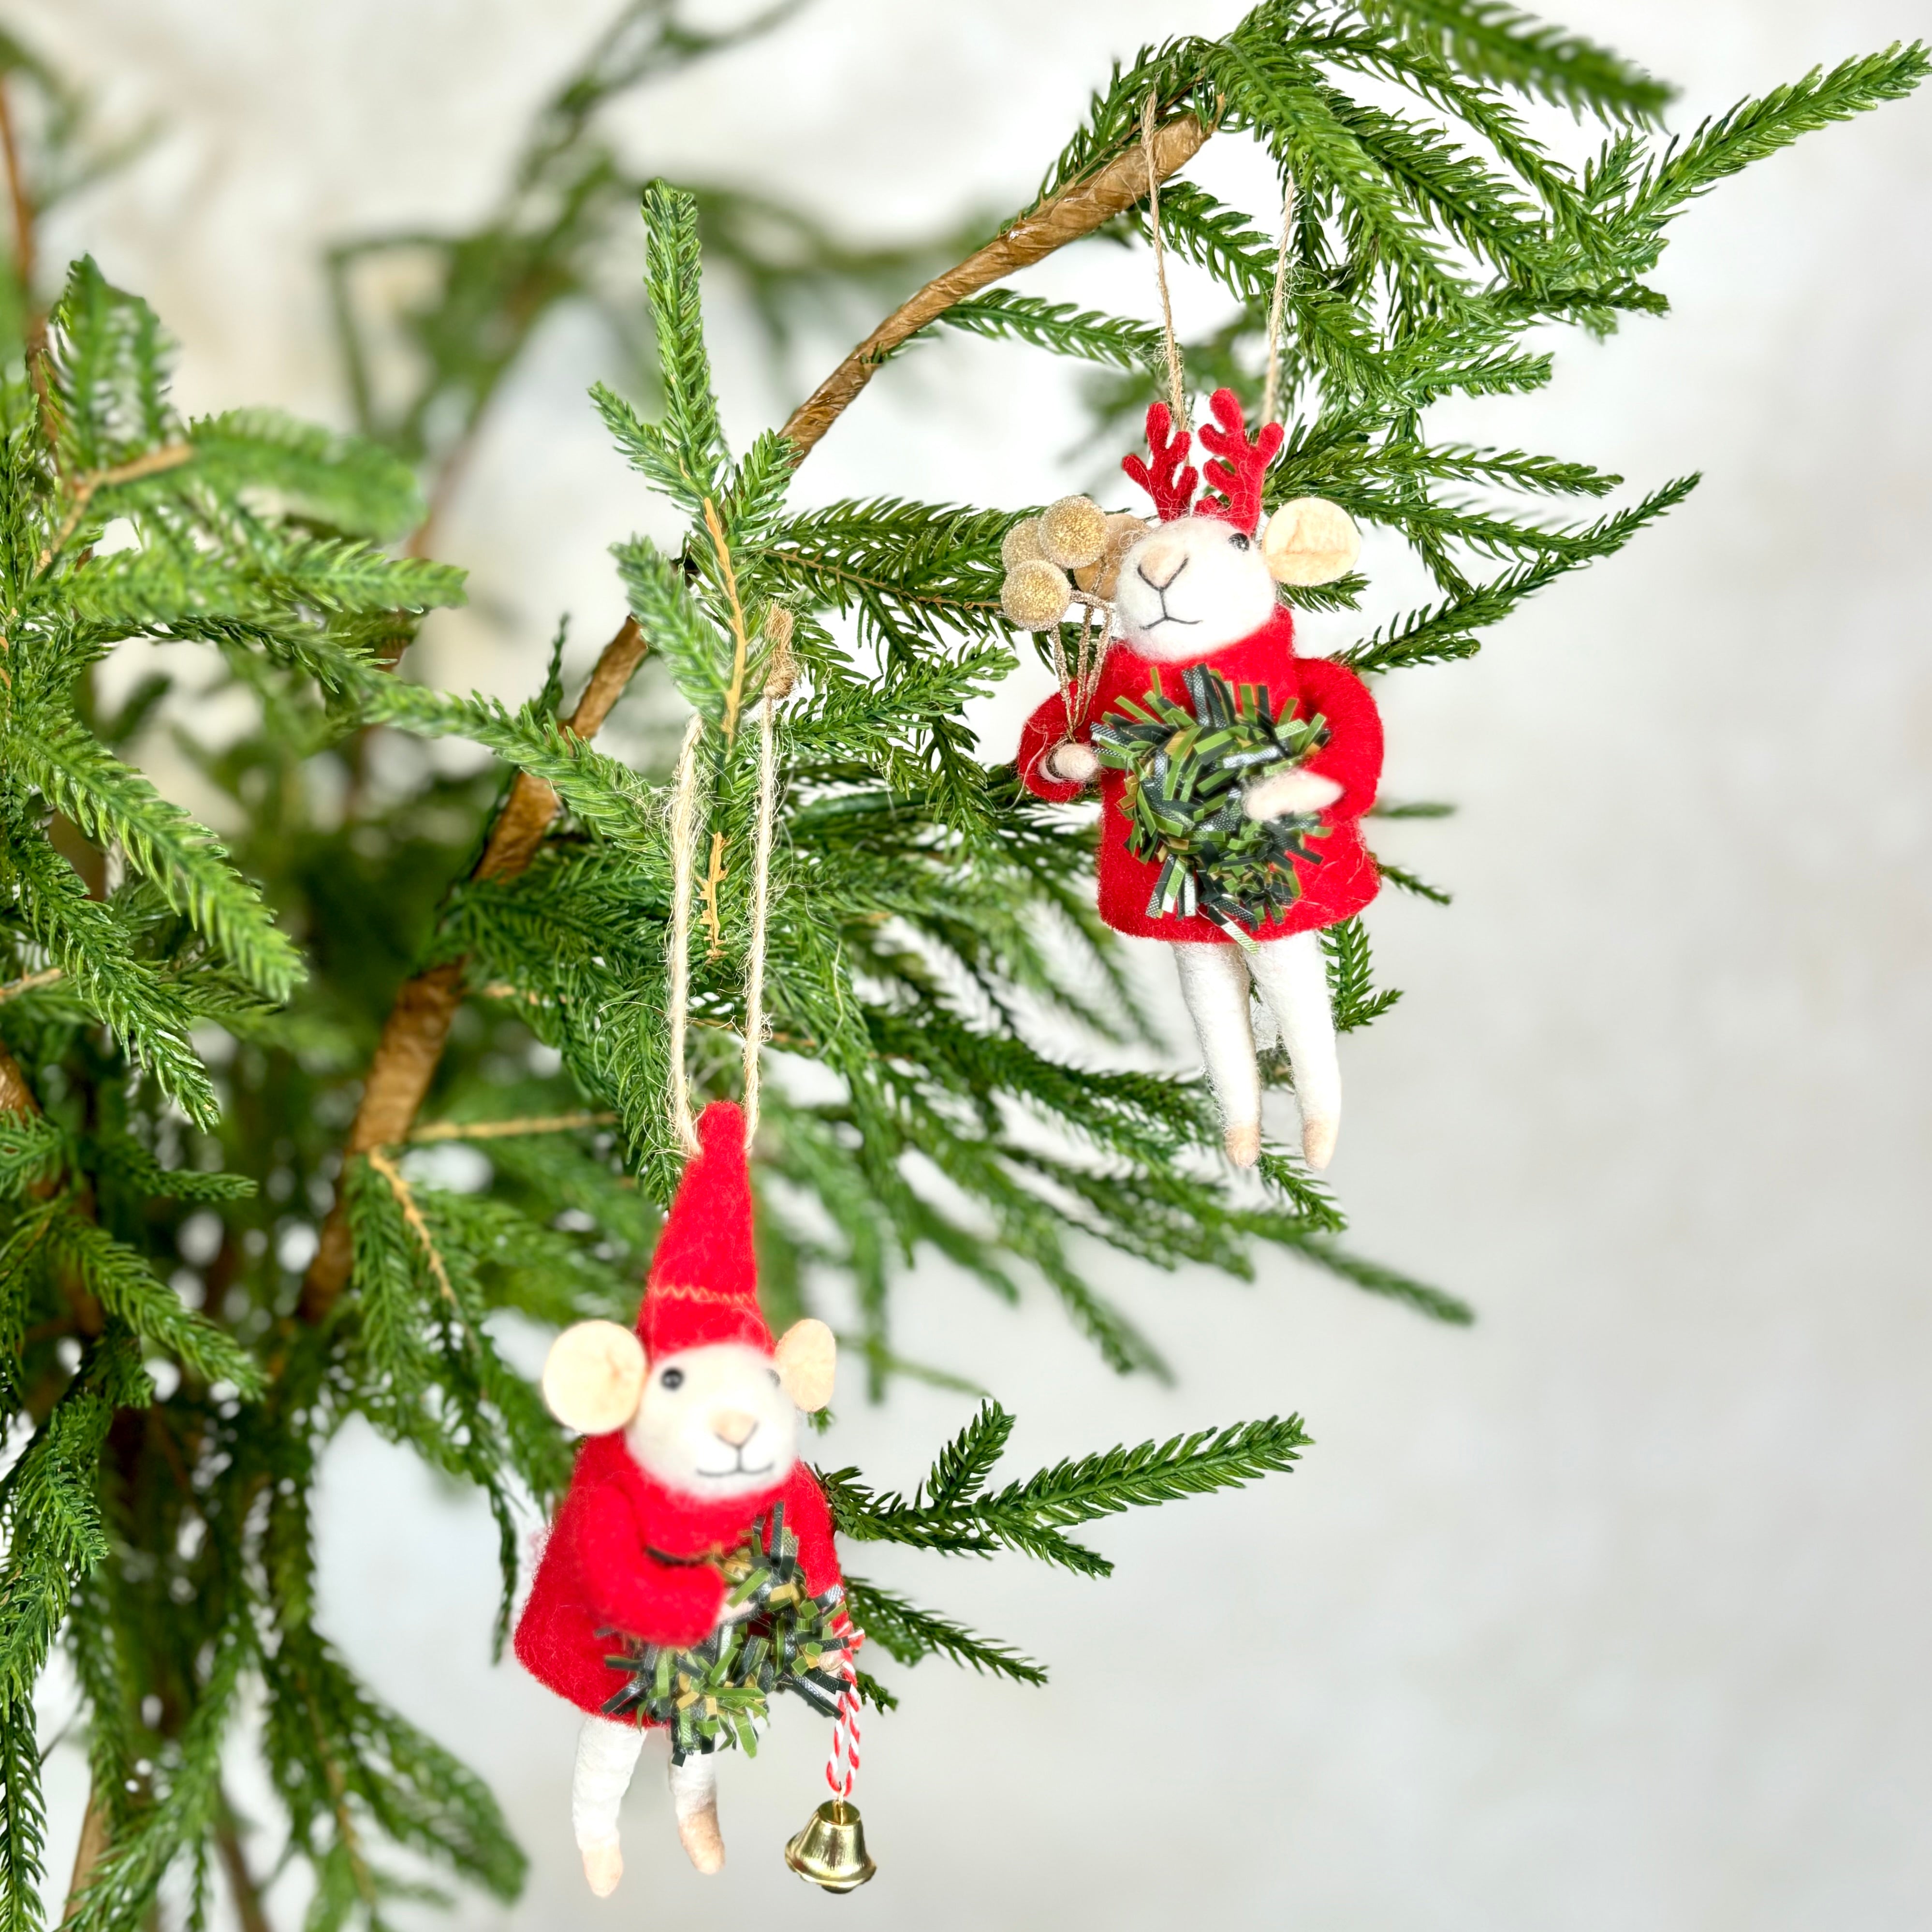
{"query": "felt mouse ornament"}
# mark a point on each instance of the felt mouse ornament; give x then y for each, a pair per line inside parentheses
(691, 1424)
(1204, 657)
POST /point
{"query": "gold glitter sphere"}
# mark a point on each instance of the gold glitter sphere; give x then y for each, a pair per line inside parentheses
(1020, 545)
(1073, 532)
(1035, 594)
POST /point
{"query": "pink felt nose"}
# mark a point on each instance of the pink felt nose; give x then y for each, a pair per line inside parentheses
(734, 1426)
(1160, 561)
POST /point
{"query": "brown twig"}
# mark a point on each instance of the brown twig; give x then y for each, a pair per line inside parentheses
(413, 1215)
(425, 1006)
(741, 642)
(14, 988)
(24, 261)
(241, 1885)
(170, 456)
(15, 1096)
(1063, 218)
(88, 1853)
(502, 1130)
(714, 878)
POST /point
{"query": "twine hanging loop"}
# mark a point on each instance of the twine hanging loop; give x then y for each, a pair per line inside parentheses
(1177, 381)
(781, 673)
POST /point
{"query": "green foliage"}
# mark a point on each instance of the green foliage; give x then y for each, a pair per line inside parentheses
(1187, 767)
(192, 1016)
(954, 1517)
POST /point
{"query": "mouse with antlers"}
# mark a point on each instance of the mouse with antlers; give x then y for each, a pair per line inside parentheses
(1209, 736)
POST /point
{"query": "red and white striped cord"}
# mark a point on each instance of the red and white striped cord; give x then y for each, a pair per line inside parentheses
(844, 1759)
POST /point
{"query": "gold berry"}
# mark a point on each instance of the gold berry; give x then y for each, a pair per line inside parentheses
(1020, 545)
(1073, 532)
(1035, 594)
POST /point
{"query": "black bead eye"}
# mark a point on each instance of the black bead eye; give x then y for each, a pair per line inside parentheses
(1240, 541)
(671, 1378)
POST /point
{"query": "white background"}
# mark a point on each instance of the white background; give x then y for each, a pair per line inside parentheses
(1609, 1613)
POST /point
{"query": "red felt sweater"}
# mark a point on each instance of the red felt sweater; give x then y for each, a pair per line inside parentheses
(620, 1557)
(1339, 884)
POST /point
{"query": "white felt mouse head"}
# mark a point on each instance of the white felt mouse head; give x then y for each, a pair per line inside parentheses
(1205, 577)
(717, 1420)
(707, 1401)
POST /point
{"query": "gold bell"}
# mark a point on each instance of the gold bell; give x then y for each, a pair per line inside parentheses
(830, 1852)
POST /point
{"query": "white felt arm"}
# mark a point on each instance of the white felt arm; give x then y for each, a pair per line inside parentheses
(1291, 791)
(1070, 763)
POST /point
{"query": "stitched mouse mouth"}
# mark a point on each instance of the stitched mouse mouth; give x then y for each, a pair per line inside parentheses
(1160, 590)
(737, 1468)
(1167, 617)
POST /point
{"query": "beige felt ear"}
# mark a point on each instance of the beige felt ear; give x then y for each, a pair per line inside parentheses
(594, 1377)
(807, 1357)
(1310, 541)
(1123, 532)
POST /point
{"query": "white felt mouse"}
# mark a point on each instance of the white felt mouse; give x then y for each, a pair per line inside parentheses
(690, 1423)
(1199, 589)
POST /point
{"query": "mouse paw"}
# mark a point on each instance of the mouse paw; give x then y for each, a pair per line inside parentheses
(703, 1844)
(603, 1865)
(1242, 1143)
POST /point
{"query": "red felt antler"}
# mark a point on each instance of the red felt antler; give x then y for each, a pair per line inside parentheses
(1239, 466)
(1170, 486)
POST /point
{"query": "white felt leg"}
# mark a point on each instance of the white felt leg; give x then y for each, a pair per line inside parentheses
(694, 1797)
(1214, 983)
(1293, 980)
(606, 1755)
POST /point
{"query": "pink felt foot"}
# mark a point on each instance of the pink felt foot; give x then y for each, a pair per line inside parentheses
(603, 1866)
(1242, 1143)
(1318, 1141)
(704, 1844)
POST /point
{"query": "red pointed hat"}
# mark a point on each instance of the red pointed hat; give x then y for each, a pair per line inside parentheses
(704, 1283)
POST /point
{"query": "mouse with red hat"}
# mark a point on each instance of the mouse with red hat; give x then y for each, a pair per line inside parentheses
(690, 1460)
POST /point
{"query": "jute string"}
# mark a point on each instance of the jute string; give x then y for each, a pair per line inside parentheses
(1177, 382)
(1078, 685)
(778, 682)
(683, 869)
(683, 864)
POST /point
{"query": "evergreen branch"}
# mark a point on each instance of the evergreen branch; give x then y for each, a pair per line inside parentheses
(1754, 129)
(342, 481)
(1408, 882)
(1413, 808)
(960, 1469)
(1031, 1516)
(1061, 327)
(1345, 947)
(1495, 41)
(1082, 1490)
(118, 1891)
(1387, 1281)
(1449, 630)
(424, 1008)
(31, 1149)
(187, 864)
(123, 991)
(121, 1278)
(906, 1633)
(607, 795)
(672, 273)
